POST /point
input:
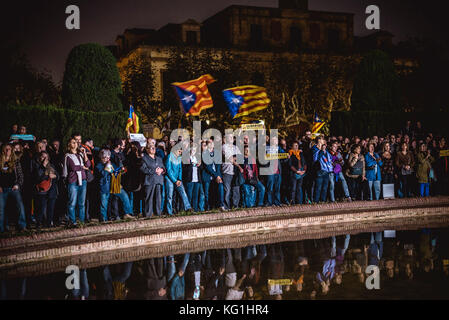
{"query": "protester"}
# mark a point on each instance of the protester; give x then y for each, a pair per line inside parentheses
(425, 161)
(153, 169)
(46, 189)
(298, 168)
(405, 163)
(11, 182)
(76, 163)
(373, 171)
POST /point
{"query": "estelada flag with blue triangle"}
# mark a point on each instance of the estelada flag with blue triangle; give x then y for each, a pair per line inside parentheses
(317, 124)
(194, 96)
(133, 121)
(244, 100)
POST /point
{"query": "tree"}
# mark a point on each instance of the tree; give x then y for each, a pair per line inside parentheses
(91, 80)
(376, 86)
(21, 84)
(138, 87)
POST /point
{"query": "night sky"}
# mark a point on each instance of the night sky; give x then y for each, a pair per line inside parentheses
(39, 25)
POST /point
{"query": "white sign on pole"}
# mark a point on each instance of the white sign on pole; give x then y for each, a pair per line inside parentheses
(139, 137)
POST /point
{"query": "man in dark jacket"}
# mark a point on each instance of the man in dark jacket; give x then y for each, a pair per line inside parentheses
(153, 169)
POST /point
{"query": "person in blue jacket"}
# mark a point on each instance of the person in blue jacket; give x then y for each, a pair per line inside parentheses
(322, 160)
(173, 179)
(103, 171)
(373, 173)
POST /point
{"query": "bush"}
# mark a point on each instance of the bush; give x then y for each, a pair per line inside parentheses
(91, 80)
(57, 123)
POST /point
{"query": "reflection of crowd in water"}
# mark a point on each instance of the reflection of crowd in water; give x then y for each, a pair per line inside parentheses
(312, 267)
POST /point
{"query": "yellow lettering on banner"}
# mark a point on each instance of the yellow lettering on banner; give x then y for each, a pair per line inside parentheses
(276, 156)
(282, 282)
(446, 262)
(444, 153)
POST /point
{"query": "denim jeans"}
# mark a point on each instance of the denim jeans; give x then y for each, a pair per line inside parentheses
(169, 188)
(376, 189)
(201, 198)
(296, 190)
(250, 192)
(83, 291)
(206, 185)
(45, 208)
(274, 188)
(228, 188)
(123, 196)
(345, 246)
(321, 183)
(77, 196)
(171, 268)
(332, 181)
(424, 189)
(136, 201)
(18, 198)
(192, 190)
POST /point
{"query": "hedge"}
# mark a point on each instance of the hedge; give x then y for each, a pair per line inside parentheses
(369, 123)
(57, 123)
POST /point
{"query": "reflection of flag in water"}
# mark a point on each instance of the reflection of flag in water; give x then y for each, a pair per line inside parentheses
(194, 95)
(317, 124)
(133, 121)
(244, 100)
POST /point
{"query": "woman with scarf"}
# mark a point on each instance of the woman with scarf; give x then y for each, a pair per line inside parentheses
(76, 163)
(45, 179)
(11, 182)
(298, 168)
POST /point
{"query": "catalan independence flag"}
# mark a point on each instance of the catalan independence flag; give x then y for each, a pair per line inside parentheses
(244, 100)
(133, 121)
(194, 95)
(317, 124)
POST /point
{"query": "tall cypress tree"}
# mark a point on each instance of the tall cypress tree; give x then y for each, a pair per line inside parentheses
(91, 80)
(376, 86)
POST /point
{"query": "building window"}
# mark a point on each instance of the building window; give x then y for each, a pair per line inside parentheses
(256, 36)
(276, 30)
(315, 32)
(295, 38)
(191, 37)
(333, 39)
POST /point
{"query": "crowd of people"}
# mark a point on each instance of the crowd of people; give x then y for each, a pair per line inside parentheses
(335, 267)
(52, 185)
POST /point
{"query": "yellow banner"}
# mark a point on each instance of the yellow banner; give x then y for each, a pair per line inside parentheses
(282, 282)
(444, 153)
(276, 156)
(445, 262)
(253, 126)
